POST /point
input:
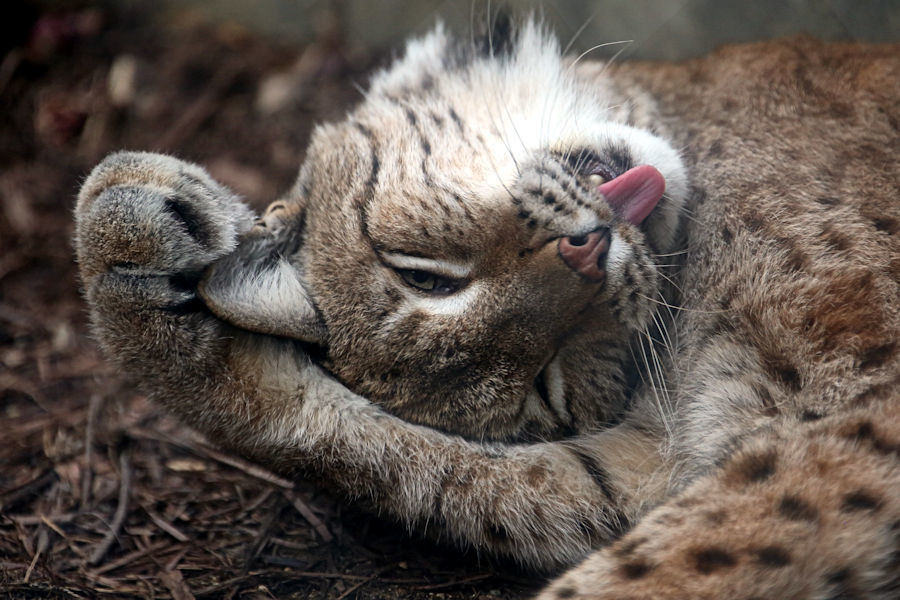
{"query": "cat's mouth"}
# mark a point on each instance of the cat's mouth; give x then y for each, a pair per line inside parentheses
(540, 386)
(549, 385)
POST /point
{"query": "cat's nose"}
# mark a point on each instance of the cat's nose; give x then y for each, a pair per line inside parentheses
(586, 254)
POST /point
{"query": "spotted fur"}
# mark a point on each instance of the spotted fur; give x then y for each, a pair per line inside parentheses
(712, 413)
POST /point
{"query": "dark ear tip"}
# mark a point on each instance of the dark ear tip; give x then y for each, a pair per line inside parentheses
(500, 39)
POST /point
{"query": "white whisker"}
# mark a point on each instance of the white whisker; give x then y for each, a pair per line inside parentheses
(676, 253)
(578, 33)
(597, 47)
(683, 309)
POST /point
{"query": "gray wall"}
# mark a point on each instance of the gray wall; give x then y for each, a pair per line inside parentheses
(658, 28)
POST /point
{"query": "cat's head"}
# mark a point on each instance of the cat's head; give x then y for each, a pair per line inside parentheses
(474, 244)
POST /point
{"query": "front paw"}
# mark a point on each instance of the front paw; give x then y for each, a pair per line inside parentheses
(153, 215)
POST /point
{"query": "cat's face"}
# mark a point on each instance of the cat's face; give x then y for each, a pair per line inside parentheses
(478, 240)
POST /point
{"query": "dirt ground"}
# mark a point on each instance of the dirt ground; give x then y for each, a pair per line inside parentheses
(102, 495)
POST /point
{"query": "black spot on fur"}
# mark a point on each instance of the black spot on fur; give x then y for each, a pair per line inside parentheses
(708, 560)
(864, 433)
(727, 236)
(796, 509)
(784, 372)
(828, 201)
(836, 239)
(886, 224)
(872, 358)
(809, 415)
(753, 468)
(796, 260)
(772, 556)
(860, 500)
(840, 582)
(565, 592)
(636, 569)
(840, 576)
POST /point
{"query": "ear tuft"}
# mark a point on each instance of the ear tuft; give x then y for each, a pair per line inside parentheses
(500, 39)
(258, 289)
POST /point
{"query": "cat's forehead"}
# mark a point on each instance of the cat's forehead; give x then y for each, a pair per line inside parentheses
(436, 182)
(425, 141)
(447, 114)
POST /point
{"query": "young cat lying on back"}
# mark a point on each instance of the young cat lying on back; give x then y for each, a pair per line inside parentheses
(464, 314)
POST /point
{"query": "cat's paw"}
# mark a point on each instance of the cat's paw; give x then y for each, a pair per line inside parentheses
(153, 215)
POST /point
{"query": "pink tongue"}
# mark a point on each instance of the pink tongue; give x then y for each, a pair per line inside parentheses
(634, 193)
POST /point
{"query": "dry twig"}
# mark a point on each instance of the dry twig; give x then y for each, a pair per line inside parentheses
(88, 473)
(310, 516)
(121, 509)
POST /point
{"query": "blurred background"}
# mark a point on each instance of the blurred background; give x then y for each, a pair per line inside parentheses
(101, 495)
(668, 29)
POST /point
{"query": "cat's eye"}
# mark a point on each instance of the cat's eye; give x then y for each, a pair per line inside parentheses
(600, 173)
(429, 282)
(592, 166)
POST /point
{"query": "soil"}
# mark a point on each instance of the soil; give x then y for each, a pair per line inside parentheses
(102, 495)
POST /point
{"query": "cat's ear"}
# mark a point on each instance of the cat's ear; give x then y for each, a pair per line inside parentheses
(499, 38)
(258, 288)
(422, 61)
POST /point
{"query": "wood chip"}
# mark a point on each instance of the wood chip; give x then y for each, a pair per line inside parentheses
(310, 517)
(175, 584)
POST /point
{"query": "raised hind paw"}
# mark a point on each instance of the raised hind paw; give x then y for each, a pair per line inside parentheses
(151, 214)
(147, 225)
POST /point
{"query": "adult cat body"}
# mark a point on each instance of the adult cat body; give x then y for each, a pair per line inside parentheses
(481, 252)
